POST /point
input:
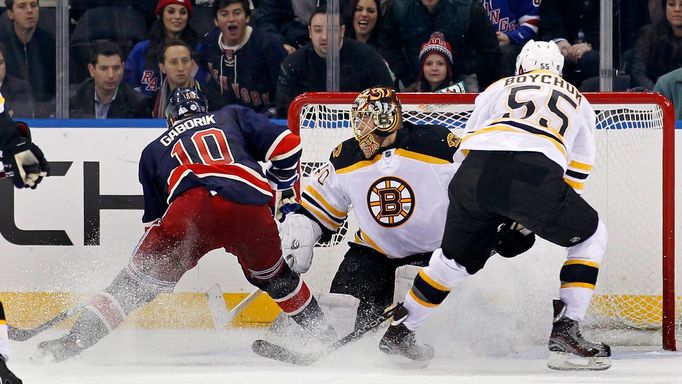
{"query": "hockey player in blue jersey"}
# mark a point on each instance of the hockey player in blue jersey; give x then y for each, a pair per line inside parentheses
(204, 189)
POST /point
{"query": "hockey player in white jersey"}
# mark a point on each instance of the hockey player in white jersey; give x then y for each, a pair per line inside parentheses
(394, 175)
(526, 153)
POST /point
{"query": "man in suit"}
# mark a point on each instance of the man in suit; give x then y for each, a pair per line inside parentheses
(104, 95)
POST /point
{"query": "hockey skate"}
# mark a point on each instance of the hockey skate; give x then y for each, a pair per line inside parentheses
(399, 340)
(569, 350)
(57, 350)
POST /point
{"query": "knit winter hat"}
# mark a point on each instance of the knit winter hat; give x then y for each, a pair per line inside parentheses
(436, 44)
(163, 3)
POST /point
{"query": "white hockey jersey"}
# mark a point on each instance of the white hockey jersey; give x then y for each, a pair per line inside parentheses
(537, 112)
(399, 197)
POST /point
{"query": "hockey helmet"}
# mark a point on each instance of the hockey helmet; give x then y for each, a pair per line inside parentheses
(375, 114)
(185, 102)
(540, 55)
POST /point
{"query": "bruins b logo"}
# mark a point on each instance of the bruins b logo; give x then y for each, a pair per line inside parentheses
(391, 201)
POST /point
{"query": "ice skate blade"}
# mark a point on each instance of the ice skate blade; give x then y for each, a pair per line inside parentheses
(563, 361)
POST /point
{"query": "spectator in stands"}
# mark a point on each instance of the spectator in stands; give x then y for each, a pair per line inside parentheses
(435, 61)
(670, 86)
(465, 25)
(574, 26)
(17, 92)
(177, 65)
(104, 95)
(659, 47)
(288, 19)
(305, 70)
(515, 22)
(141, 71)
(31, 52)
(362, 19)
(243, 60)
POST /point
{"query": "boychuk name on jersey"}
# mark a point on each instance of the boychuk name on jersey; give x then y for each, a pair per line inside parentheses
(545, 78)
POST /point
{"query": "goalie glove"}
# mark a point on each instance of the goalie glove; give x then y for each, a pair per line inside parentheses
(513, 239)
(299, 234)
(6, 376)
(23, 160)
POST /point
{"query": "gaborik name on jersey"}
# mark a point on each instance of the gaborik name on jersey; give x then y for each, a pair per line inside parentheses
(545, 78)
(179, 128)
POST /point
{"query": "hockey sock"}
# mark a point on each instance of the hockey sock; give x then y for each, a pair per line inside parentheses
(431, 286)
(579, 273)
(578, 279)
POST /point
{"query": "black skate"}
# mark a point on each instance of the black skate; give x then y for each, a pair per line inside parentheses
(57, 350)
(569, 350)
(399, 340)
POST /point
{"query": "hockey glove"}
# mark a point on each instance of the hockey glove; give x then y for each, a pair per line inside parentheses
(6, 376)
(513, 239)
(285, 203)
(299, 235)
(24, 160)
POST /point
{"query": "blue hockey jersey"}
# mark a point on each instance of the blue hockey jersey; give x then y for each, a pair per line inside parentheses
(518, 19)
(220, 151)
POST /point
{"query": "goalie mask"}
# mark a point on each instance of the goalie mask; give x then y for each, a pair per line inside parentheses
(540, 55)
(185, 102)
(376, 114)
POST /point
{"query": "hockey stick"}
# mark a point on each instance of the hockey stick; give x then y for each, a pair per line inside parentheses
(277, 352)
(216, 305)
(23, 334)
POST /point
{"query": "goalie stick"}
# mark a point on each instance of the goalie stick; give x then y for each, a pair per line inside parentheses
(23, 334)
(216, 305)
(277, 352)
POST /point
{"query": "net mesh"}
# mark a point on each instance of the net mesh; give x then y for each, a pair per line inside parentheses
(624, 187)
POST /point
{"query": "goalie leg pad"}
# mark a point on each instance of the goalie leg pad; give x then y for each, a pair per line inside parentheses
(369, 276)
(340, 310)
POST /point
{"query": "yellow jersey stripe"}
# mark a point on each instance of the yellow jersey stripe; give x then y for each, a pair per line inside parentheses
(507, 128)
(577, 285)
(433, 282)
(582, 262)
(3, 321)
(420, 301)
(368, 240)
(320, 216)
(421, 157)
(553, 131)
(579, 165)
(318, 198)
(358, 165)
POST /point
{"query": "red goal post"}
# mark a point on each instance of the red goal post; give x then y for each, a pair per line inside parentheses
(636, 142)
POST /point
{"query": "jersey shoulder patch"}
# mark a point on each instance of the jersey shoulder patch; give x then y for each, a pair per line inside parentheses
(346, 154)
(430, 140)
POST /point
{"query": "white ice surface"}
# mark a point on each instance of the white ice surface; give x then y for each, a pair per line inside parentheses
(206, 356)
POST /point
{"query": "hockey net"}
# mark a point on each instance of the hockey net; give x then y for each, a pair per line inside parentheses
(632, 187)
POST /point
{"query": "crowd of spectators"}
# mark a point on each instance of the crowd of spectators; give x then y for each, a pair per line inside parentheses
(263, 53)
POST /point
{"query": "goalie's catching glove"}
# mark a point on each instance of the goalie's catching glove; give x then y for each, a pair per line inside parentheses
(6, 376)
(299, 234)
(23, 159)
(513, 239)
